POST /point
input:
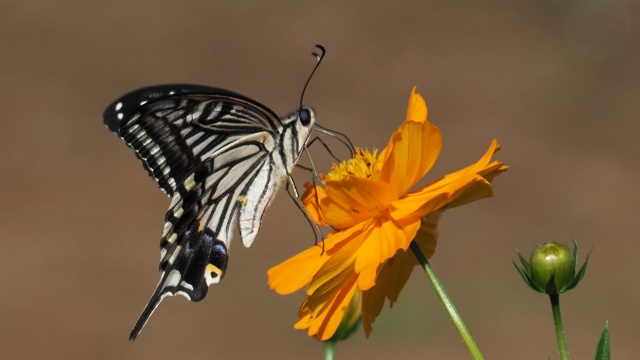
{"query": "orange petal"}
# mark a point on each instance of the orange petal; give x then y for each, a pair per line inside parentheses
(461, 187)
(311, 200)
(427, 236)
(353, 200)
(476, 190)
(427, 199)
(301, 269)
(492, 170)
(381, 244)
(410, 154)
(296, 272)
(391, 279)
(418, 203)
(481, 167)
(341, 259)
(417, 109)
(324, 325)
(393, 275)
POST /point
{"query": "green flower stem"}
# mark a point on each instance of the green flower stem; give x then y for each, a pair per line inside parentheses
(557, 320)
(329, 349)
(448, 304)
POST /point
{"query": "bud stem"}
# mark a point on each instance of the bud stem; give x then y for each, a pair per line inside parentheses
(557, 320)
(448, 304)
(329, 349)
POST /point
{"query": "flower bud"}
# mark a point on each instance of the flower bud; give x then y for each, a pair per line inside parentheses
(552, 267)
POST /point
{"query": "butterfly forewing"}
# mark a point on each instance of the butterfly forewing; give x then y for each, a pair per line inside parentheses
(173, 135)
(221, 157)
(123, 106)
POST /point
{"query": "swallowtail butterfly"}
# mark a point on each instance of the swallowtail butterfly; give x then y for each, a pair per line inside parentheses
(221, 157)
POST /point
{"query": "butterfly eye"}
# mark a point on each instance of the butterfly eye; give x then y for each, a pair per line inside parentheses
(305, 116)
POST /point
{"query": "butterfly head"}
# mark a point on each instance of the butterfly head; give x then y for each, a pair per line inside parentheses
(306, 116)
(305, 122)
(302, 121)
(296, 131)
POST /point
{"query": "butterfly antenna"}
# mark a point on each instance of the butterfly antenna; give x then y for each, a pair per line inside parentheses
(344, 139)
(319, 57)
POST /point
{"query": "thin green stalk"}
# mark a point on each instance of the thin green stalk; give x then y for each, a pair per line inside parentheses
(448, 304)
(329, 349)
(557, 320)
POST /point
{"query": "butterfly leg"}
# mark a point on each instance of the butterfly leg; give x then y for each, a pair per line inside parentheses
(295, 196)
(319, 139)
(344, 139)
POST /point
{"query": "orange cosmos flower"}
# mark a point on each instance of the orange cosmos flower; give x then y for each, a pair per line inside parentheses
(367, 200)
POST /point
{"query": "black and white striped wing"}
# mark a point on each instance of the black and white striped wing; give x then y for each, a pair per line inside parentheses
(202, 217)
(173, 127)
(212, 153)
(126, 104)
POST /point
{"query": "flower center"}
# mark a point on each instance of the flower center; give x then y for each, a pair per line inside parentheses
(364, 164)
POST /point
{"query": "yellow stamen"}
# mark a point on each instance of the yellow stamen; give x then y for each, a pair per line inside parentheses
(364, 164)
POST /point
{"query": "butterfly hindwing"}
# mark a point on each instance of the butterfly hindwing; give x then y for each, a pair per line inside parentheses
(199, 224)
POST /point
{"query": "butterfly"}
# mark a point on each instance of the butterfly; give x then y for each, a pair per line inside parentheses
(221, 157)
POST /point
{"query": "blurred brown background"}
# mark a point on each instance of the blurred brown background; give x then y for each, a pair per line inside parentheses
(556, 82)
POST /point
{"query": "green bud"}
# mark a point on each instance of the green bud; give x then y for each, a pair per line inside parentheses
(552, 267)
